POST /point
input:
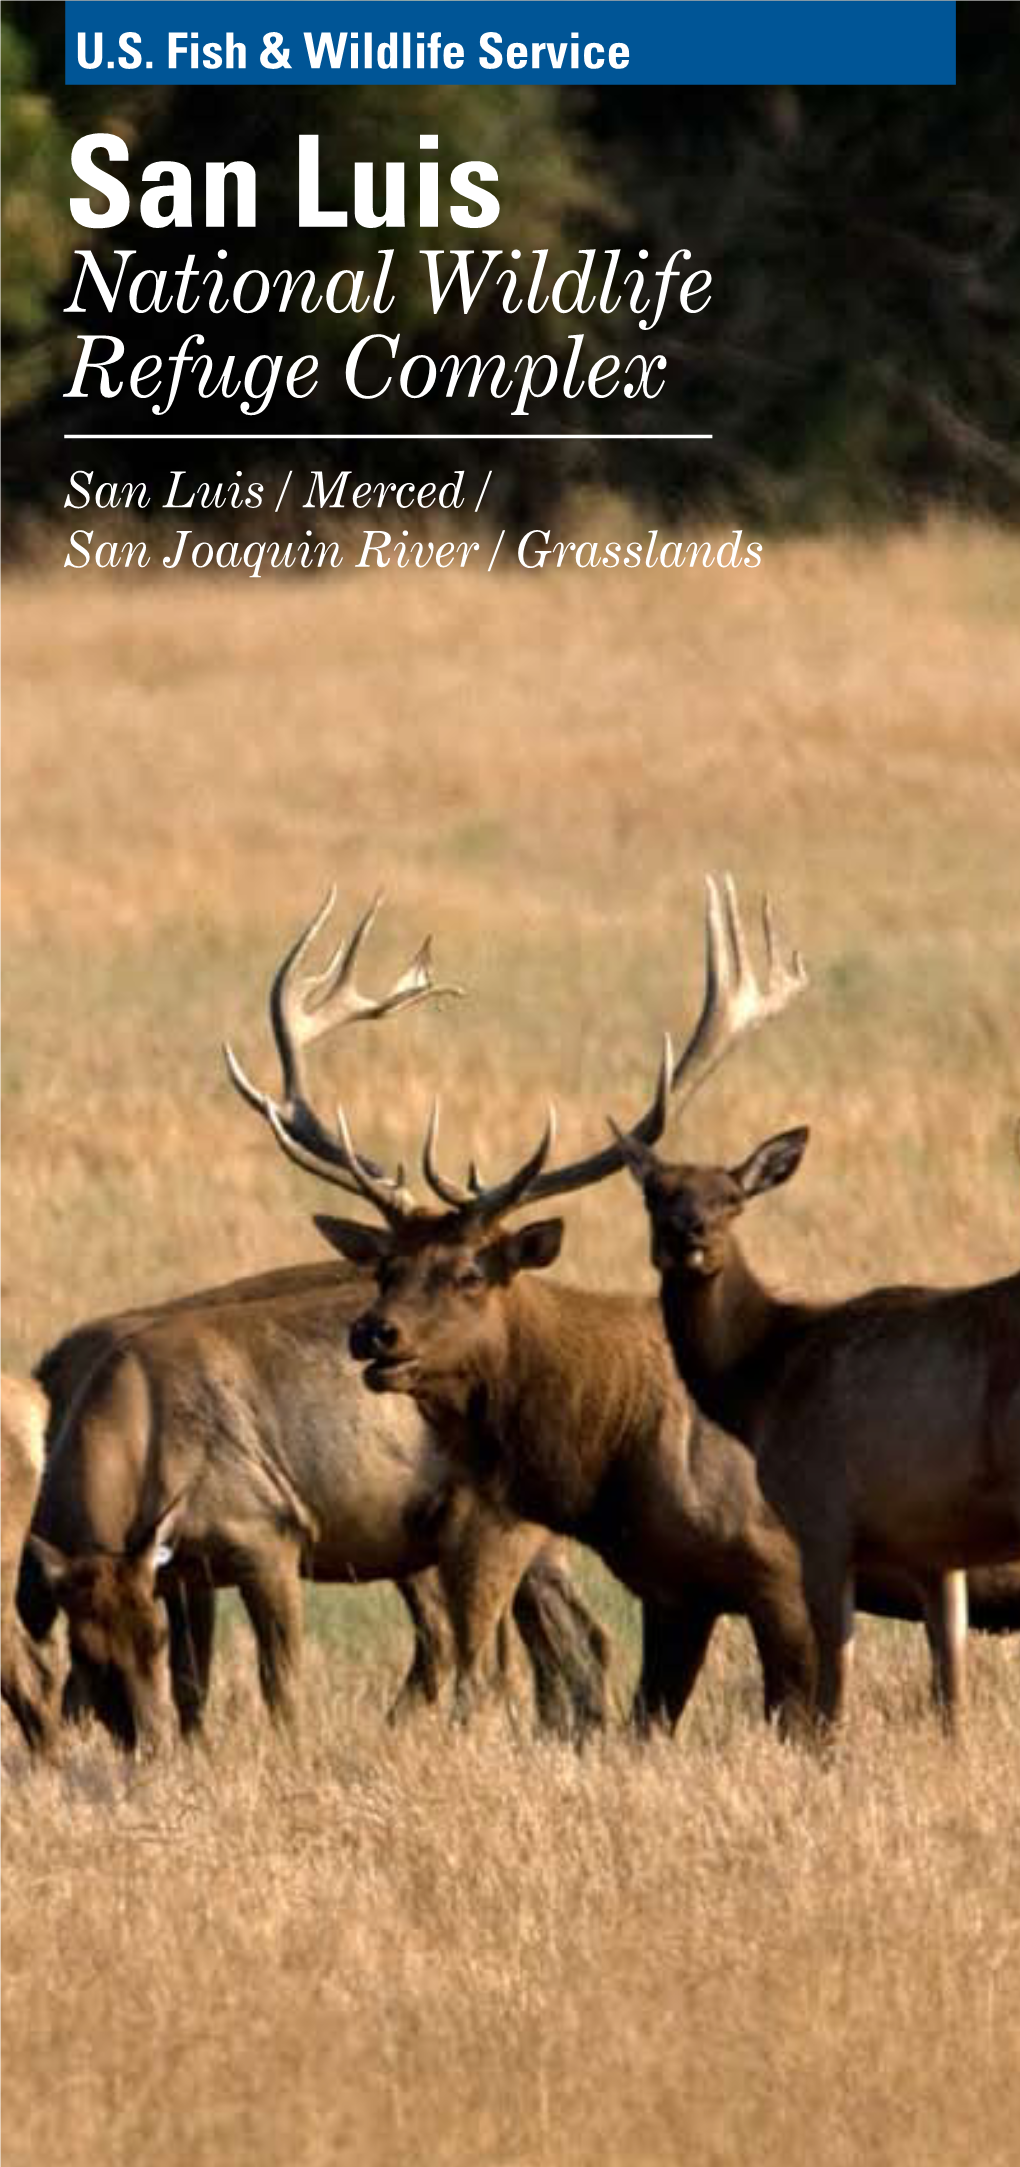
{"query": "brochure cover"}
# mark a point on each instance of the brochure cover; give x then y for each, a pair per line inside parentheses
(511, 544)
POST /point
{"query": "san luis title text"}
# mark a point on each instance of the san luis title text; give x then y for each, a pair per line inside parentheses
(608, 284)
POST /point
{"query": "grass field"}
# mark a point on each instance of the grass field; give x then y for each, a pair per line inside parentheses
(472, 1948)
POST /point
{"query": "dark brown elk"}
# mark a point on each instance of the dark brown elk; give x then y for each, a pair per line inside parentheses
(225, 1440)
(564, 1407)
(25, 1675)
(885, 1428)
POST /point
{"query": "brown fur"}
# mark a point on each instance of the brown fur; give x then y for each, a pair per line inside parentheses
(885, 1429)
(565, 1405)
(24, 1672)
(241, 1410)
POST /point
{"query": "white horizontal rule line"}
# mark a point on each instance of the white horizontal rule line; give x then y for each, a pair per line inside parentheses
(349, 436)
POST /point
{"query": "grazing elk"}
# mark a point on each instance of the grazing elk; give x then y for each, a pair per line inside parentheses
(545, 1605)
(885, 1428)
(25, 1675)
(224, 1440)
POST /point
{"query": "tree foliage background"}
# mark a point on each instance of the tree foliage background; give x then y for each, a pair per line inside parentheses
(861, 354)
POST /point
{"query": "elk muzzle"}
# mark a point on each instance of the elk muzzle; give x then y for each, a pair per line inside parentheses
(377, 1342)
(682, 1239)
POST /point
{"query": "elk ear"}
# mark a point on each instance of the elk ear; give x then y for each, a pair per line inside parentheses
(56, 1564)
(533, 1247)
(637, 1157)
(360, 1244)
(772, 1163)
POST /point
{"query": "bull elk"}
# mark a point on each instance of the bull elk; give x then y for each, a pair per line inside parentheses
(25, 1675)
(564, 1406)
(224, 1440)
(886, 1428)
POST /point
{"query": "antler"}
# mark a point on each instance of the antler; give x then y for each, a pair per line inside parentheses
(339, 1163)
(482, 1200)
(389, 1195)
(303, 1009)
(734, 1003)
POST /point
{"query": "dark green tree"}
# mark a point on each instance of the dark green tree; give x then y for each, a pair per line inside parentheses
(861, 353)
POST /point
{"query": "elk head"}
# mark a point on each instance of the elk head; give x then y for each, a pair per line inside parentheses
(118, 1632)
(692, 1208)
(439, 1318)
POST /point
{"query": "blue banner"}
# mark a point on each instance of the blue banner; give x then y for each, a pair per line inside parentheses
(514, 41)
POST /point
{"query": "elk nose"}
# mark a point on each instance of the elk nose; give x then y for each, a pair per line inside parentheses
(370, 1336)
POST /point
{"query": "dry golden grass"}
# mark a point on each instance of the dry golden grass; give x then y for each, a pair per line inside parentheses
(470, 1948)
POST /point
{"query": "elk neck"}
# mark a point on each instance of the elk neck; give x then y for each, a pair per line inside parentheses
(729, 1336)
(579, 1382)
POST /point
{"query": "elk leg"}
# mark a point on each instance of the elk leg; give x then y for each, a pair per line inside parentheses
(674, 1646)
(28, 1690)
(37, 1605)
(944, 1596)
(191, 1609)
(475, 1615)
(433, 1657)
(270, 1589)
(76, 1701)
(830, 1600)
(481, 1562)
(567, 1648)
(504, 1646)
(786, 1654)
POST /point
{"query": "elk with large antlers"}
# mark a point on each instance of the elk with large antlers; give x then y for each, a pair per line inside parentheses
(224, 1440)
(564, 1404)
(886, 1428)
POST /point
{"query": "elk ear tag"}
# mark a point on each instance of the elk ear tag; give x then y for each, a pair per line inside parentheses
(772, 1163)
(156, 1548)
